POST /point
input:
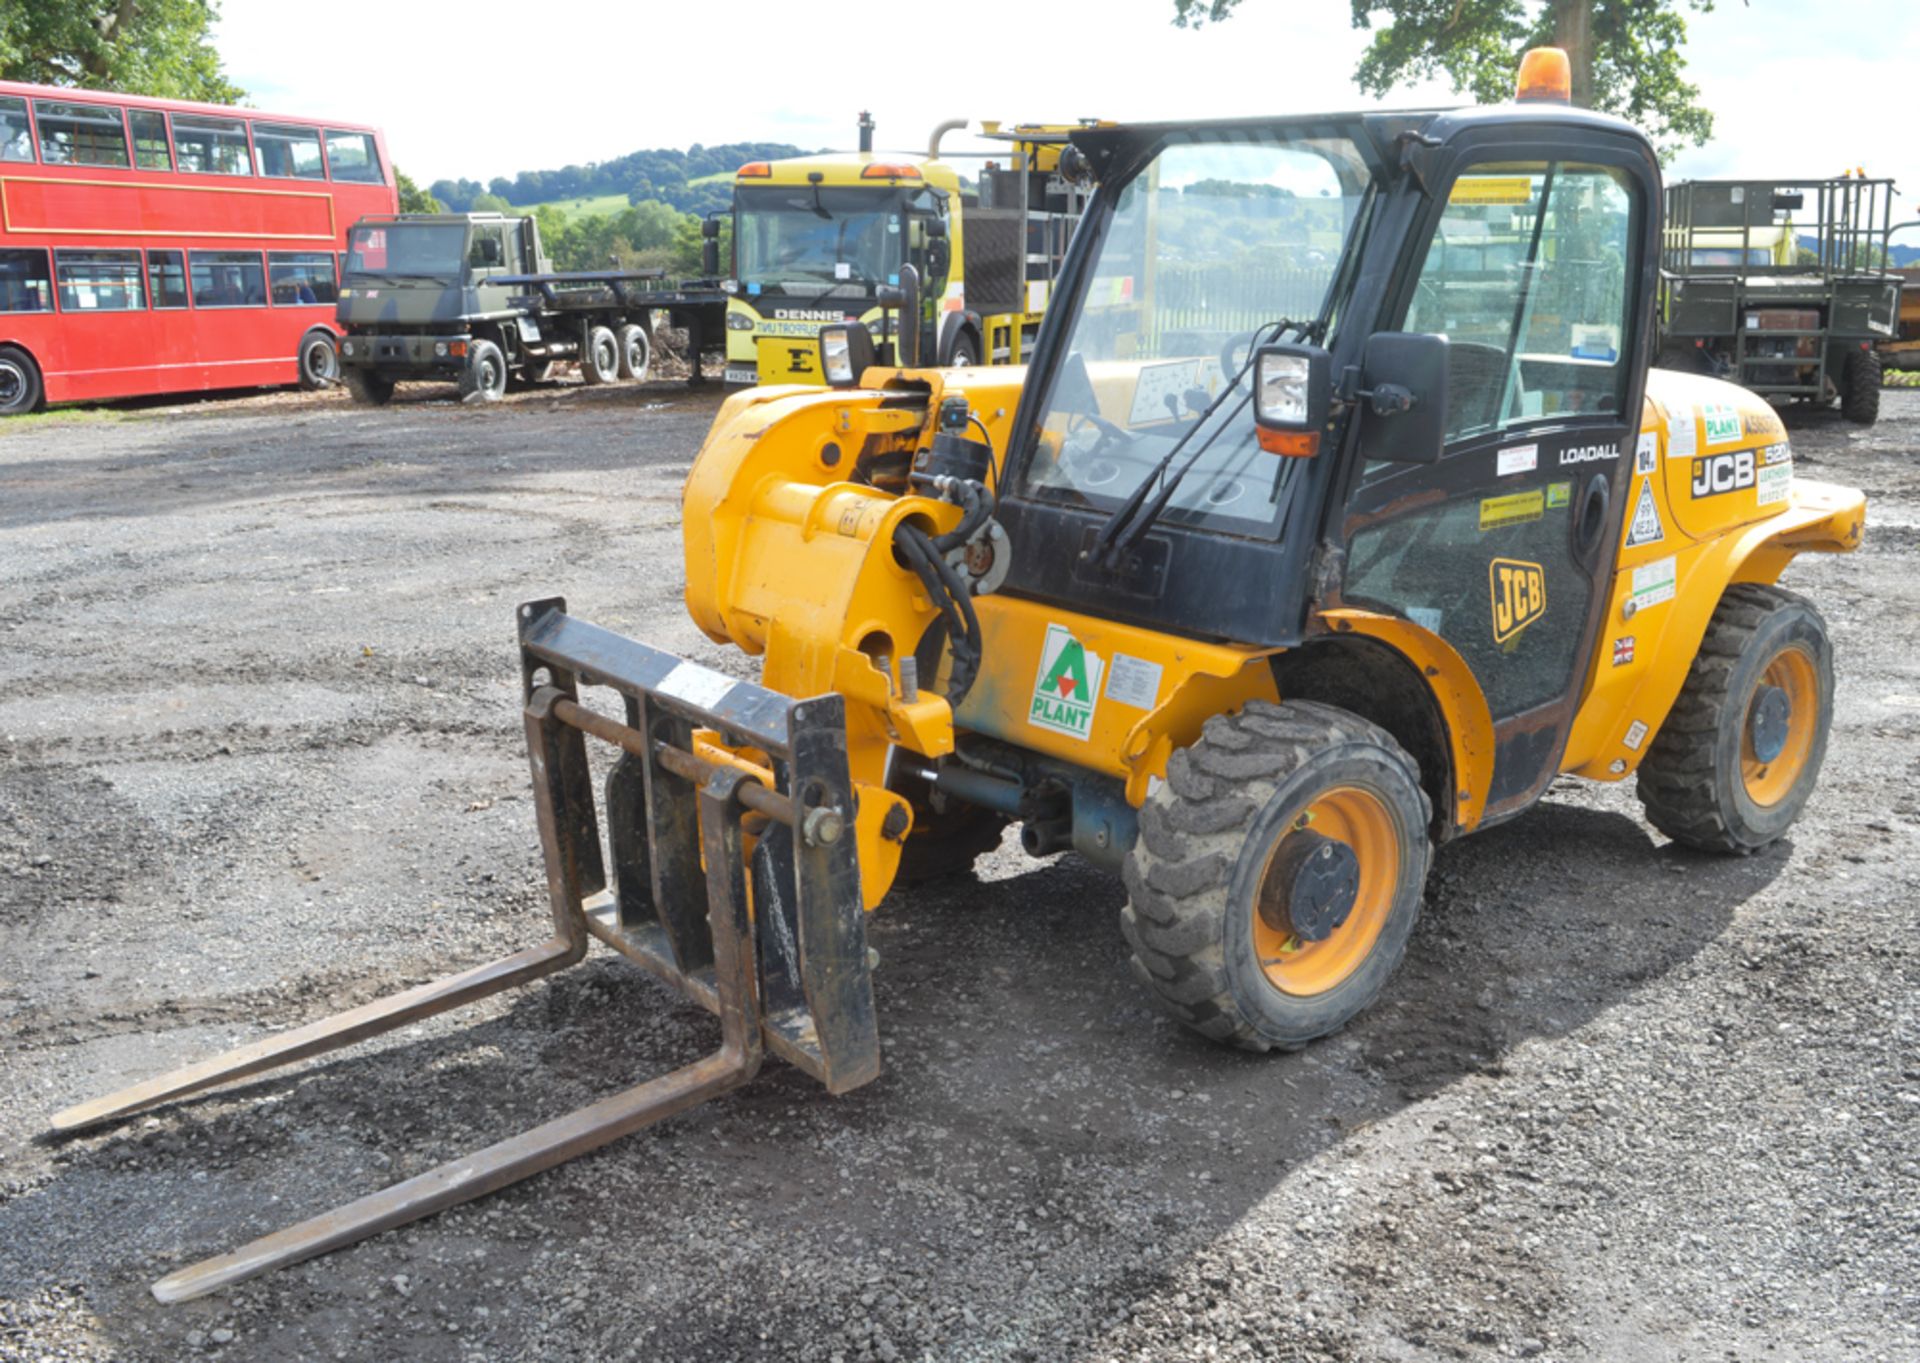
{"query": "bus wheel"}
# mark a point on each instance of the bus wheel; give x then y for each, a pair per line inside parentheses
(485, 377)
(319, 361)
(600, 362)
(966, 352)
(19, 382)
(636, 351)
(368, 388)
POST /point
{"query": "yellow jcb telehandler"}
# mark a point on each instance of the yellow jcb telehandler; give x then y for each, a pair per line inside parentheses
(1337, 513)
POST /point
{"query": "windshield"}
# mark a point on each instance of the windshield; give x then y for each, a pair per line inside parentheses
(797, 239)
(431, 249)
(1221, 235)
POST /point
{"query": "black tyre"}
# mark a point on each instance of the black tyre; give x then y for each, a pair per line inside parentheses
(1740, 752)
(636, 351)
(319, 360)
(966, 352)
(20, 388)
(600, 362)
(947, 842)
(366, 387)
(484, 379)
(1278, 874)
(1860, 387)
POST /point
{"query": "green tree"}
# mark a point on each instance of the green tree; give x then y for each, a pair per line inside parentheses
(489, 203)
(414, 199)
(1625, 54)
(140, 47)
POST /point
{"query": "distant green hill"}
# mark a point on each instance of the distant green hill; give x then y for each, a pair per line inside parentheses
(697, 180)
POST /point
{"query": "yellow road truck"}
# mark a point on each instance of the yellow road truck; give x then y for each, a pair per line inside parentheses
(826, 238)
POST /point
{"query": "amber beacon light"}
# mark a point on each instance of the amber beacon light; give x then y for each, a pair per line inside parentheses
(1546, 77)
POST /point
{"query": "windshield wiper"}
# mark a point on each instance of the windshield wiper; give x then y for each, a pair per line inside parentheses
(1124, 527)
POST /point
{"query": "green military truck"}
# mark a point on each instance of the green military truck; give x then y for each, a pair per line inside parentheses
(471, 298)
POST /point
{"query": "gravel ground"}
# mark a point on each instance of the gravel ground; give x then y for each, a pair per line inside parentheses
(259, 760)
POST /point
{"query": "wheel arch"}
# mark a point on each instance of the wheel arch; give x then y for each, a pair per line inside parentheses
(955, 325)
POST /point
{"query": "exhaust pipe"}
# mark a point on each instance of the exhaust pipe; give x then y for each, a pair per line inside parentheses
(866, 131)
(933, 143)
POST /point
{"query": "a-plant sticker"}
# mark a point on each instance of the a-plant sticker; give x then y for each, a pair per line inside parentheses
(1067, 687)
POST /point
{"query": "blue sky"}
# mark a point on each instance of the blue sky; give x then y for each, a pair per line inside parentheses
(1799, 88)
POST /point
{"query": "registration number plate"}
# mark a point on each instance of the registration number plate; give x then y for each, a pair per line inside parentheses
(739, 374)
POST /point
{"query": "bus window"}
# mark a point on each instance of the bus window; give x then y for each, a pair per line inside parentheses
(227, 279)
(353, 158)
(300, 277)
(210, 146)
(149, 139)
(289, 153)
(80, 134)
(23, 282)
(16, 138)
(100, 281)
(167, 278)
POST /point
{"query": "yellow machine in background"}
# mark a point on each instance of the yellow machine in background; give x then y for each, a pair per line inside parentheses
(828, 238)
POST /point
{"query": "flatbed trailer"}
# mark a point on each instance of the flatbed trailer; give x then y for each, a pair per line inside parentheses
(578, 300)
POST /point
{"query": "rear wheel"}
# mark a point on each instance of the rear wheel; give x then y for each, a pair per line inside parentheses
(319, 361)
(636, 351)
(1860, 387)
(484, 379)
(1278, 874)
(20, 389)
(1738, 756)
(600, 362)
(366, 387)
(966, 352)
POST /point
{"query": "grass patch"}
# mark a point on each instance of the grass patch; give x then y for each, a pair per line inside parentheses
(1900, 378)
(60, 416)
(595, 204)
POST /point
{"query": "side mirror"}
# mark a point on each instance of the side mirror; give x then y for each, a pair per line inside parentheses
(846, 352)
(1292, 393)
(490, 252)
(710, 228)
(1403, 387)
(939, 257)
(906, 297)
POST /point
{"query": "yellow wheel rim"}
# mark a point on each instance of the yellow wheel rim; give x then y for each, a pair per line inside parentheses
(1361, 820)
(1792, 672)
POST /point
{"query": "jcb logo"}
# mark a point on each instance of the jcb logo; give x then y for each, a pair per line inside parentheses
(1718, 473)
(1519, 595)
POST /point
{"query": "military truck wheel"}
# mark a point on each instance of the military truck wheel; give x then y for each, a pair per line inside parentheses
(1278, 874)
(600, 362)
(20, 389)
(484, 379)
(366, 387)
(1740, 752)
(948, 842)
(636, 351)
(319, 360)
(1860, 387)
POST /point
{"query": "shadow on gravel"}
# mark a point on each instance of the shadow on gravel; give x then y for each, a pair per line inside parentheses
(1024, 1067)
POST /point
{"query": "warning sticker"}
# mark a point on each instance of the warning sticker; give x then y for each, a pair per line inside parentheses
(1636, 735)
(1681, 437)
(1492, 189)
(1646, 454)
(1134, 681)
(1653, 583)
(1646, 527)
(1519, 459)
(1514, 509)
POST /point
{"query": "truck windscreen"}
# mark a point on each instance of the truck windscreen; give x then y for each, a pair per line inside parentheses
(807, 236)
(407, 250)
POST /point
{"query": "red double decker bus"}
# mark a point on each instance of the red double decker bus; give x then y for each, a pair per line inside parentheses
(155, 246)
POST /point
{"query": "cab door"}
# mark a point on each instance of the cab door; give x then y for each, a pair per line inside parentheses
(1535, 269)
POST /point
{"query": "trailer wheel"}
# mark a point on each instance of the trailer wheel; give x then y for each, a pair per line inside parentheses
(600, 361)
(319, 360)
(485, 377)
(636, 351)
(20, 389)
(1860, 387)
(366, 387)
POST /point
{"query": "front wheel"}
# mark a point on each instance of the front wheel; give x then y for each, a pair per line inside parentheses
(1741, 749)
(319, 361)
(484, 378)
(1860, 387)
(1278, 874)
(20, 389)
(636, 351)
(600, 362)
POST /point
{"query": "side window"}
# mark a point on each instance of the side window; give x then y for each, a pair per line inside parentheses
(24, 285)
(149, 139)
(287, 152)
(167, 278)
(80, 134)
(300, 277)
(352, 157)
(210, 146)
(227, 279)
(16, 136)
(100, 281)
(487, 250)
(1526, 276)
